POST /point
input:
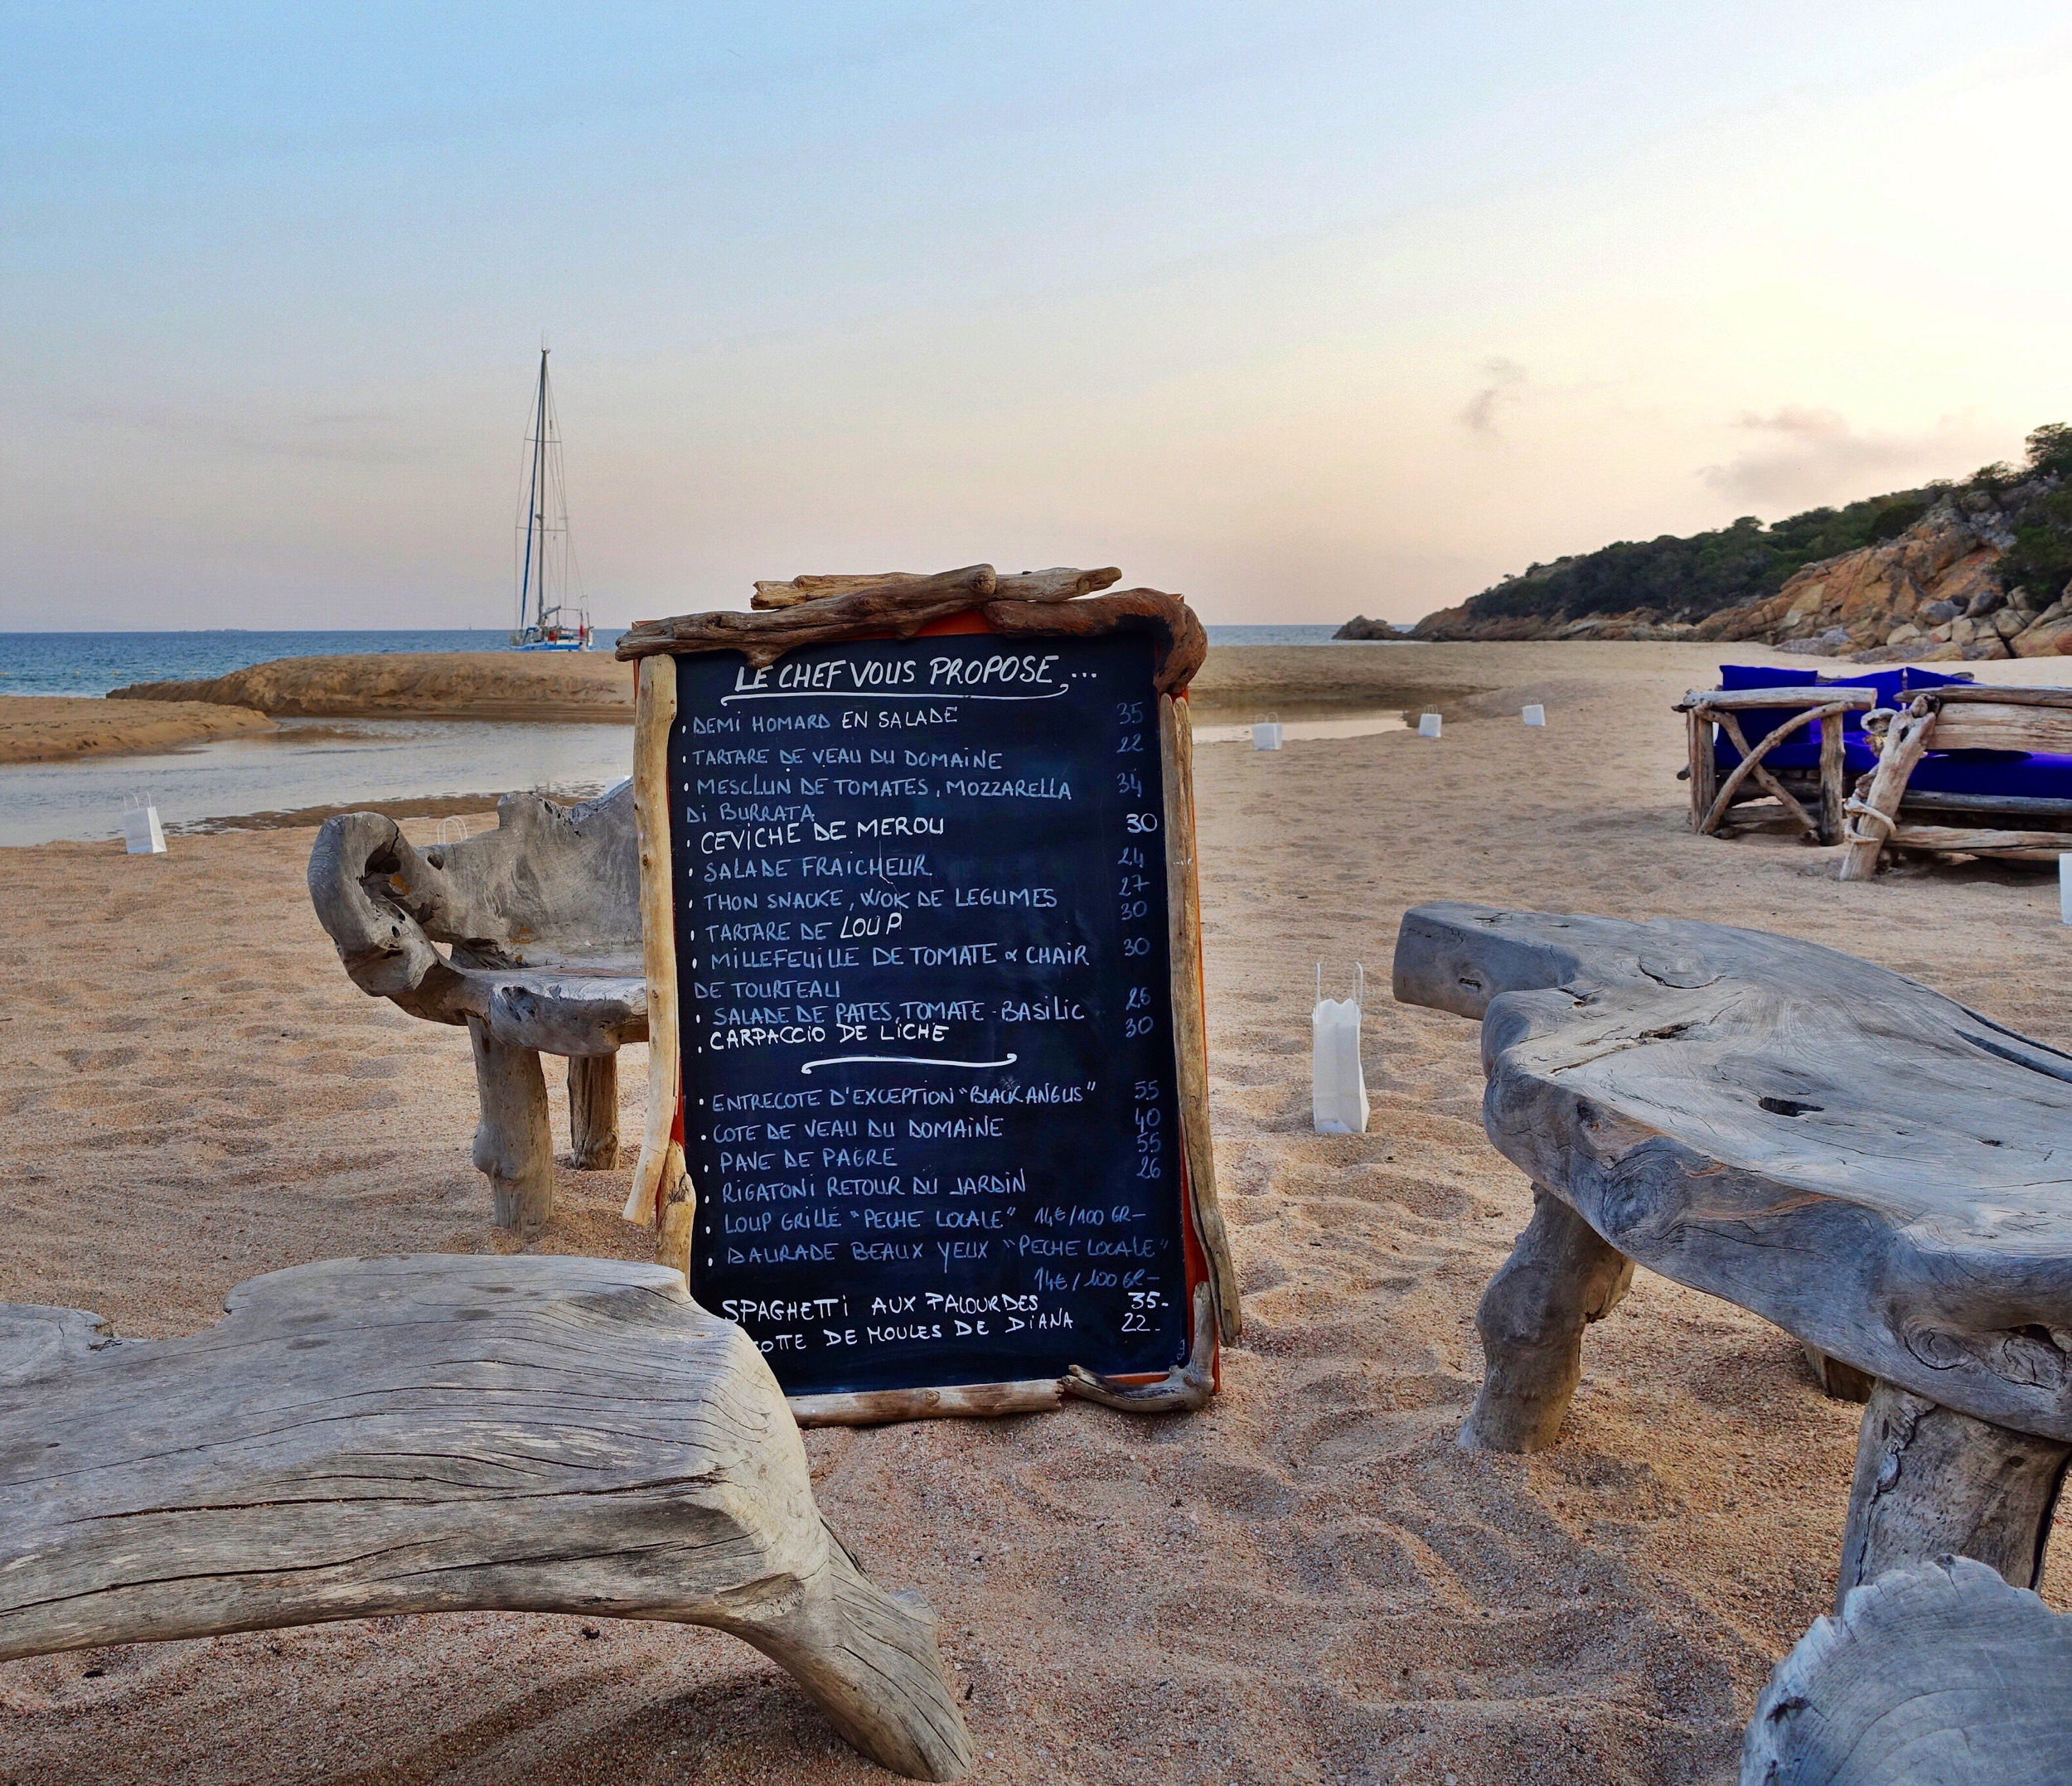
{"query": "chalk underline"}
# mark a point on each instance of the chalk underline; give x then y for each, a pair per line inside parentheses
(900, 1060)
(876, 695)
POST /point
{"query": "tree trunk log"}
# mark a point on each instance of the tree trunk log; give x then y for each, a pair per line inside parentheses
(594, 1112)
(1929, 1677)
(367, 1437)
(1560, 1277)
(514, 1143)
(1931, 1482)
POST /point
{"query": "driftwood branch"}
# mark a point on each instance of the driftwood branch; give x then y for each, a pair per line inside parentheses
(514, 1145)
(1188, 1386)
(1058, 585)
(900, 609)
(594, 1112)
(441, 1433)
(661, 1193)
(1190, 1036)
(1752, 764)
(877, 1407)
(1938, 1674)
(1184, 645)
(1872, 818)
(1559, 1278)
(1739, 700)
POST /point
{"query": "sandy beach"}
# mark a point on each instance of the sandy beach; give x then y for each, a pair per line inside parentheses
(1295, 680)
(1306, 1583)
(59, 728)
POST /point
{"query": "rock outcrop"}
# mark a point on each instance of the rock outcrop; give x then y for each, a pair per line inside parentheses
(1929, 594)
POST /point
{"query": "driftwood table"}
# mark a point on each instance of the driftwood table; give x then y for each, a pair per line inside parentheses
(443, 1434)
(1883, 1173)
(542, 923)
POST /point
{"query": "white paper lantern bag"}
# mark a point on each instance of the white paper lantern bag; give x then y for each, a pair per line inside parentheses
(1338, 1093)
(1266, 733)
(142, 834)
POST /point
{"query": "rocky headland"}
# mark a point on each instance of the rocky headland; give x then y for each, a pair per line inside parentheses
(1951, 572)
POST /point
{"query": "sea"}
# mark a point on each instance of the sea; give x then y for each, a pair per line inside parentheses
(308, 768)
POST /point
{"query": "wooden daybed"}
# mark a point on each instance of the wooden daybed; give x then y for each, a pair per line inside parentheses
(1905, 759)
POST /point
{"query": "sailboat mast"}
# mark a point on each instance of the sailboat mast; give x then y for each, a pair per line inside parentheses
(535, 518)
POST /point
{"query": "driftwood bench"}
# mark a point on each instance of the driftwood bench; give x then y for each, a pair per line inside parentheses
(439, 1433)
(1937, 1676)
(1883, 1173)
(541, 921)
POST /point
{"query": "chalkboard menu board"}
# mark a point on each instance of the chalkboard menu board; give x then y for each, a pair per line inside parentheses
(929, 1100)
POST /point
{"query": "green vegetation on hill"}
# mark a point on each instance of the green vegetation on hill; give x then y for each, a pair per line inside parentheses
(1679, 579)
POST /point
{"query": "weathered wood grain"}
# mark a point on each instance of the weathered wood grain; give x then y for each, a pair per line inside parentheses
(442, 1434)
(899, 608)
(2001, 725)
(1962, 839)
(1931, 1482)
(1833, 779)
(1879, 1171)
(1937, 1676)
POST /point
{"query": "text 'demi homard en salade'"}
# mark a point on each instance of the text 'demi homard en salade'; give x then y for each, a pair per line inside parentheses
(929, 1098)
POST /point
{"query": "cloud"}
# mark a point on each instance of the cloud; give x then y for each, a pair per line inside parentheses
(1480, 415)
(1804, 456)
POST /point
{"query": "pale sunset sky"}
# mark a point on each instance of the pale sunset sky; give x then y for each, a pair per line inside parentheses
(1298, 309)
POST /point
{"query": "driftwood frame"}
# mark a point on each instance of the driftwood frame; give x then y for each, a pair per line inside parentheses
(1713, 797)
(1958, 718)
(839, 609)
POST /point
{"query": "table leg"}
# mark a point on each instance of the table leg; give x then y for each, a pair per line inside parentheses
(514, 1147)
(1560, 1277)
(1931, 1482)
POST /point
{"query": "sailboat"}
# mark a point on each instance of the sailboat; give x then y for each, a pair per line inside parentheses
(550, 619)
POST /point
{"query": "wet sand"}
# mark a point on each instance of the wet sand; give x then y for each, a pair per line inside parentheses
(62, 728)
(1305, 1583)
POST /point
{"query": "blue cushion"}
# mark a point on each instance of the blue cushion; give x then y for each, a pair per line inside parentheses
(1802, 750)
(2031, 775)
